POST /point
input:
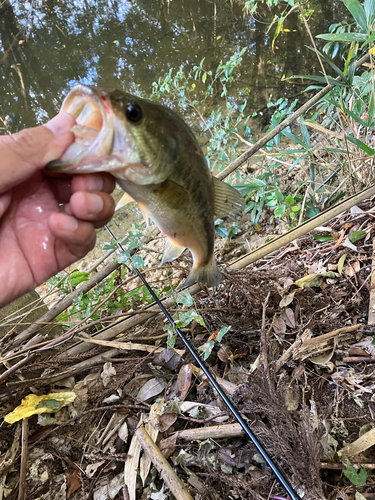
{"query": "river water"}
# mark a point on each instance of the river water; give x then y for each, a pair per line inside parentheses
(49, 46)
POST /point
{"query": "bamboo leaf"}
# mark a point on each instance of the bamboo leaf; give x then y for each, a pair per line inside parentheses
(361, 145)
(358, 12)
(343, 37)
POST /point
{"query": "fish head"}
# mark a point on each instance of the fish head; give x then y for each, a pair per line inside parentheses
(134, 139)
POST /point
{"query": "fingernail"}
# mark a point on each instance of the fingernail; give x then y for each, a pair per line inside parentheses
(69, 223)
(96, 204)
(61, 124)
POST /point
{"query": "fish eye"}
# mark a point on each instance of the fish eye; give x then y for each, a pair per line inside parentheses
(134, 112)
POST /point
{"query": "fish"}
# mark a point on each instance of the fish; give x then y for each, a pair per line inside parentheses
(158, 162)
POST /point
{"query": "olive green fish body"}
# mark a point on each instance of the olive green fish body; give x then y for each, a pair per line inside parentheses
(159, 164)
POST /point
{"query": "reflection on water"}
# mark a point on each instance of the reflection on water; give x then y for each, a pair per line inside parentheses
(49, 46)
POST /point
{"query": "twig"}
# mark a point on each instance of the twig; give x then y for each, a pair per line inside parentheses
(371, 312)
(359, 359)
(263, 343)
(286, 356)
(173, 482)
(24, 456)
(214, 432)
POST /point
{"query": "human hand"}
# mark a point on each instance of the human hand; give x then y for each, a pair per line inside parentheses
(46, 223)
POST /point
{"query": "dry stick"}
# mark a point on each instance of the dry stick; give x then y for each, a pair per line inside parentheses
(24, 456)
(371, 312)
(214, 432)
(359, 359)
(173, 482)
(285, 123)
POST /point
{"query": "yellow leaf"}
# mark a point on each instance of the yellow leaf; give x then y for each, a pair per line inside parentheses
(34, 405)
(310, 281)
(372, 51)
(341, 262)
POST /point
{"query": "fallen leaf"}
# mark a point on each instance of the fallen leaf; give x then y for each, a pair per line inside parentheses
(168, 359)
(285, 301)
(168, 446)
(151, 389)
(181, 387)
(341, 262)
(288, 317)
(108, 372)
(309, 281)
(74, 482)
(35, 405)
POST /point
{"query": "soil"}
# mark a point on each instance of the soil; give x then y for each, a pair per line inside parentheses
(304, 403)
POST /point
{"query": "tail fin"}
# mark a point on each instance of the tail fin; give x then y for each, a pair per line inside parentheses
(208, 274)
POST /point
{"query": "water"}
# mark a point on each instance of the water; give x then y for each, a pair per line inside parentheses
(49, 46)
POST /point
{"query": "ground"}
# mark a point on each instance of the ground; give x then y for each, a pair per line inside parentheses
(296, 361)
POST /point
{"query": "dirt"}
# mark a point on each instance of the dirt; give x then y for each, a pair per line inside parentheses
(304, 406)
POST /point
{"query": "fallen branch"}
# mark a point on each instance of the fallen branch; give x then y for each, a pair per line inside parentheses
(316, 345)
(214, 432)
(24, 457)
(165, 470)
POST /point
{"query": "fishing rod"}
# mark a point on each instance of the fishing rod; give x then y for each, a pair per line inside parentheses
(204, 367)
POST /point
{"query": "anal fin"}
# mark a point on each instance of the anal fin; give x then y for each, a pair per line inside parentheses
(171, 251)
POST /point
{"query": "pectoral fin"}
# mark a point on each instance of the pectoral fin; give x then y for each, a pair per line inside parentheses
(228, 202)
(124, 200)
(171, 251)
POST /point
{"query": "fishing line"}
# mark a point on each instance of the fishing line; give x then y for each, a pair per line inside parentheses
(204, 367)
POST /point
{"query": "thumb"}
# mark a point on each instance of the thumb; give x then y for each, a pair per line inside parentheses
(25, 152)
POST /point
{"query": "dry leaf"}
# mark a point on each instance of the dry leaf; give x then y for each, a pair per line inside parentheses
(288, 317)
(285, 301)
(74, 482)
(168, 359)
(279, 325)
(151, 389)
(108, 372)
(311, 280)
(181, 387)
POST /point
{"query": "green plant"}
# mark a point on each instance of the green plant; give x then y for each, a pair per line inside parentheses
(214, 339)
(356, 477)
(181, 318)
(190, 90)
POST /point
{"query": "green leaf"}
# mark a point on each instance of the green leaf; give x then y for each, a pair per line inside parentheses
(355, 117)
(356, 235)
(185, 299)
(222, 332)
(358, 478)
(123, 258)
(358, 12)
(289, 200)
(369, 11)
(280, 211)
(369, 40)
(341, 263)
(137, 261)
(361, 145)
(198, 318)
(343, 37)
(323, 237)
(322, 79)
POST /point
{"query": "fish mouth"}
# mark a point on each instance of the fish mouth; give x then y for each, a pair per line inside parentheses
(94, 132)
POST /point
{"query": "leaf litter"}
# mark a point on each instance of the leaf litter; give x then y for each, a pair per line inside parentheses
(307, 390)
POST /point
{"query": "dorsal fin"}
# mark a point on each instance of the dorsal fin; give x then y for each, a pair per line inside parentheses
(228, 202)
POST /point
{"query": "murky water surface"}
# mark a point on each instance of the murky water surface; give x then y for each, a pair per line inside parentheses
(49, 46)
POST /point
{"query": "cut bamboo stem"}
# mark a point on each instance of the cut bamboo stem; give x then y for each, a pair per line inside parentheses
(165, 470)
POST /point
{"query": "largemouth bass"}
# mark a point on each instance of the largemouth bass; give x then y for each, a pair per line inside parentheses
(159, 164)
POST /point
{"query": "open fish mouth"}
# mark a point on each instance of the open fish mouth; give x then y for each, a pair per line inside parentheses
(94, 132)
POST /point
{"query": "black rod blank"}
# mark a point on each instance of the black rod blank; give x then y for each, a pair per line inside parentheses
(204, 367)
